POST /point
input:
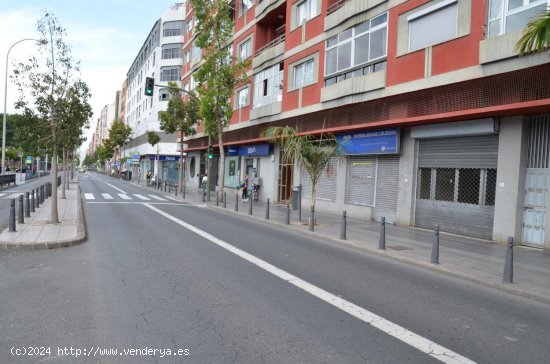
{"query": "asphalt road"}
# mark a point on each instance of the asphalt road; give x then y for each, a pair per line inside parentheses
(160, 274)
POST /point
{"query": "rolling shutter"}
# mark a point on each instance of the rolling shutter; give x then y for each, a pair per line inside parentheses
(361, 180)
(386, 188)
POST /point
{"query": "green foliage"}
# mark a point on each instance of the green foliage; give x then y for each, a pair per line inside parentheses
(536, 37)
(309, 152)
(180, 115)
(119, 134)
(89, 160)
(153, 138)
(74, 114)
(102, 153)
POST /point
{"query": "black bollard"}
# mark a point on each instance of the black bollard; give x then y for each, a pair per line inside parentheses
(27, 205)
(267, 210)
(12, 215)
(42, 197)
(299, 202)
(224, 199)
(37, 198)
(176, 190)
(343, 226)
(382, 239)
(217, 198)
(287, 215)
(508, 275)
(236, 202)
(20, 212)
(312, 219)
(203, 196)
(250, 205)
(169, 188)
(435, 246)
(32, 200)
(184, 192)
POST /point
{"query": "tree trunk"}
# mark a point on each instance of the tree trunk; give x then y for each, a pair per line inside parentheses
(180, 177)
(221, 167)
(64, 156)
(54, 218)
(313, 198)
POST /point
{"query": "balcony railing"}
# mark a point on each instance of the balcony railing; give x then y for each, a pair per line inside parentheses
(279, 39)
(337, 5)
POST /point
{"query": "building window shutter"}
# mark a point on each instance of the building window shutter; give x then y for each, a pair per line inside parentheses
(433, 28)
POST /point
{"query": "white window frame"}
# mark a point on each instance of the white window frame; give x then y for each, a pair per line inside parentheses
(427, 11)
(310, 11)
(239, 101)
(352, 40)
(505, 13)
(274, 78)
(300, 72)
(187, 57)
(248, 44)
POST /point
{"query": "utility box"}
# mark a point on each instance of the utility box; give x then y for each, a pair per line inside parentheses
(295, 196)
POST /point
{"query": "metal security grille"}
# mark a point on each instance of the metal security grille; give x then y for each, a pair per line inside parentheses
(456, 184)
(539, 142)
(387, 180)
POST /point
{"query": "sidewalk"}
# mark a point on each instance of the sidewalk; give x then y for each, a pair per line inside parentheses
(474, 260)
(38, 233)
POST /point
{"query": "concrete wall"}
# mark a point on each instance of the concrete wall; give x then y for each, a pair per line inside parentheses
(512, 157)
(407, 180)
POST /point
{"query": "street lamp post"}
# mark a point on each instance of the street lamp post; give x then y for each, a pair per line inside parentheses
(6, 102)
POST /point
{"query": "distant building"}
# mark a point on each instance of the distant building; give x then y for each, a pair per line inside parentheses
(160, 57)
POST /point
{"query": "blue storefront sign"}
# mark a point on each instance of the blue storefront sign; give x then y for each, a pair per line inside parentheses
(370, 142)
(249, 150)
(165, 158)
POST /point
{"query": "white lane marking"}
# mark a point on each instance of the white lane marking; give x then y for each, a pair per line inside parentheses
(107, 196)
(157, 198)
(13, 195)
(2, 194)
(124, 197)
(408, 337)
(116, 188)
(172, 198)
(89, 196)
(141, 197)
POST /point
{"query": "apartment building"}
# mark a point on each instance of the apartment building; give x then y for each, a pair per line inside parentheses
(443, 123)
(160, 57)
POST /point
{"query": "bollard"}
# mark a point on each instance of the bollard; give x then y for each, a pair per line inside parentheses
(12, 215)
(435, 246)
(184, 192)
(312, 219)
(42, 197)
(203, 196)
(49, 189)
(217, 198)
(343, 226)
(176, 190)
(300, 202)
(508, 275)
(267, 210)
(37, 198)
(382, 239)
(287, 215)
(20, 212)
(250, 205)
(32, 200)
(27, 205)
(169, 188)
(236, 202)
(224, 199)
(164, 186)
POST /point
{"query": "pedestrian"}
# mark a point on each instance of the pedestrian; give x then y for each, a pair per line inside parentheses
(205, 182)
(148, 177)
(244, 187)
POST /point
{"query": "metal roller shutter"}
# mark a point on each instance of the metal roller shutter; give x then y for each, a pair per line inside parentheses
(386, 188)
(361, 180)
(456, 184)
(326, 187)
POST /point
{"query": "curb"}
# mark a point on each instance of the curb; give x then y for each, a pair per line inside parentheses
(81, 234)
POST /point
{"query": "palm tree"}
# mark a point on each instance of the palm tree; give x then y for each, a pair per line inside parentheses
(308, 152)
(536, 37)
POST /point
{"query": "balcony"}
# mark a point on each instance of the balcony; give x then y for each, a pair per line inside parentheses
(353, 86)
(343, 10)
(266, 6)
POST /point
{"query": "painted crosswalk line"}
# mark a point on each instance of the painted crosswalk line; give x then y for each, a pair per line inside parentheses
(141, 197)
(157, 198)
(106, 196)
(124, 196)
(89, 196)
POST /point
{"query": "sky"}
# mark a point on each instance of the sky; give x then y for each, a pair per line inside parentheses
(105, 36)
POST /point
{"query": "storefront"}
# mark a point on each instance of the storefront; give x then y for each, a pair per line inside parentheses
(246, 161)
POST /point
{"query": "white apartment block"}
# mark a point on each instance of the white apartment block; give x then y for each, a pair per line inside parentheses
(160, 57)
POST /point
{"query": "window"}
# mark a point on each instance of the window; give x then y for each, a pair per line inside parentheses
(164, 95)
(244, 6)
(433, 25)
(245, 49)
(303, 74)
(242, 98)
(187, 57)
(189, 25)
(172, 28)
(305, 11)
(268, 85)
(355, 48)
(196, 52)
(170, 74)
(171, 51)
(510, 15)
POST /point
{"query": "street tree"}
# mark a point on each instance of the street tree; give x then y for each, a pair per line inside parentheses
(102, 153)
(536, 37)
(311, 153)
(219, 73)
(119, 135)
(153, 139)
(74, 114)
(43, 83)
(181, 116)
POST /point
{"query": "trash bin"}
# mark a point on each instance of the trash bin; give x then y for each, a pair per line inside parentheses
(295, 196)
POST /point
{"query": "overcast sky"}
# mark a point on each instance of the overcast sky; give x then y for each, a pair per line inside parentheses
(105, 36)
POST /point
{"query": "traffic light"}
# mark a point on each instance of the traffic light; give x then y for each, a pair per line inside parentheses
(149, 86)
(210, 152)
